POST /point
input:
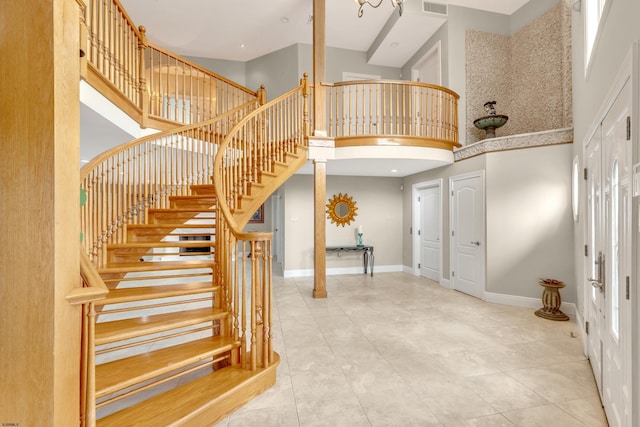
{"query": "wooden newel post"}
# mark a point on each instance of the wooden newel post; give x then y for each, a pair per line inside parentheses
(306, 92)
(262, 95)
(143, 93)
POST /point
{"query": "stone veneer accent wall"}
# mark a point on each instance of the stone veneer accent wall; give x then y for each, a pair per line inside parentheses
(528, 74)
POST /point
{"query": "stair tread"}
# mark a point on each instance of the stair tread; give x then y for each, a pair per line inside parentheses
(107, 332)
(120, 267)
(193, 196)
(171, 407)
(181, 210)
(120, 374)
(139, 293)
(168, 225)
(163, 244)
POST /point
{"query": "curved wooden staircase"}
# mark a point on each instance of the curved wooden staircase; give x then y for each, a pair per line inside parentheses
(170, 344)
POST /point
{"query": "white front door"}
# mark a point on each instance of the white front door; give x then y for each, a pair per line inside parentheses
(608, 161)
(616, 383)
(593, 269)
(429, 233)
(467, 234)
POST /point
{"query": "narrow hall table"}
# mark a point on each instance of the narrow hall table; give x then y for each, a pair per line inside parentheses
(367, 253)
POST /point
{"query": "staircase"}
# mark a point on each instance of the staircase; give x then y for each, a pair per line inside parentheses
(169, 349)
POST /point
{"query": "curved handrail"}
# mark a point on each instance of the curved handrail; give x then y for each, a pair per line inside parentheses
(256, 142)
(124, 182)
(151, 81)
(388, 108)
(94, 288)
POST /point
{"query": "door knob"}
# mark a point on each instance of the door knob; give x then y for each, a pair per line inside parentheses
(476, 243)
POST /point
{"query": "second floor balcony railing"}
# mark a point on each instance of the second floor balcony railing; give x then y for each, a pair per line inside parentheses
(377, 112)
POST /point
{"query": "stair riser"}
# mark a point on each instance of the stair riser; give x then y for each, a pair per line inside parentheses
(135, 255)
(157, 236)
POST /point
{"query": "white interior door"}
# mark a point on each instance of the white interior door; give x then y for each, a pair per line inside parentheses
(429, 233)
(608, 161)
(467, 234)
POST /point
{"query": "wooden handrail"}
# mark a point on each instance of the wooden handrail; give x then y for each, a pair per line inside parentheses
(94, 288)
(145, 80)
(249, 152)
(255, 143)
(124, 182)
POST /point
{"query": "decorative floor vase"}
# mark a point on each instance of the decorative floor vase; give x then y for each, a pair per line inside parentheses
(551, 301)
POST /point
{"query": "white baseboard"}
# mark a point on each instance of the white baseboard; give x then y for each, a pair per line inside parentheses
(518, 301)
(409, 270)
(345, 270)
(445, 283)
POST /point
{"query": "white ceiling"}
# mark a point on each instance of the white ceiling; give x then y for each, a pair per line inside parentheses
(242, 30)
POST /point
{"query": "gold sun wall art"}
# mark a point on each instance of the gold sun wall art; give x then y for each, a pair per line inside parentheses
(341, 209)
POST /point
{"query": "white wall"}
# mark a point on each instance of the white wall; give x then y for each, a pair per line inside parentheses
(379, 203)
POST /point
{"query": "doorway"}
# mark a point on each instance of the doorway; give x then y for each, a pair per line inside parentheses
(427, 226)
(467, 235)
(608, 261)
(429, 68)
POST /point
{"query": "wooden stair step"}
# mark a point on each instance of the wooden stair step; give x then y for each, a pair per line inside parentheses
(198, 403)
(149, 232)
(180, 214)
(132, 267)
(161, 244)
(117, 330)
(120, 374)
(203, 189)
(194, 201)
(140, 293)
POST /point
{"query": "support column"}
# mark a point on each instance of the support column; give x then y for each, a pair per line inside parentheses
(320, 223)
(319, 69)
(319, 166)
(40, 211)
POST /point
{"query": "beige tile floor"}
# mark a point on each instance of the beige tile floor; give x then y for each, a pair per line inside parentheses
(396, 350)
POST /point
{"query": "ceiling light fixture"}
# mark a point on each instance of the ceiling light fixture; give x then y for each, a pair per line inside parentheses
(375, 5)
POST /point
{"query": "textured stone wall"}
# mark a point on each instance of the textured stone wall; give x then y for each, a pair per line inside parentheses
(528, 74)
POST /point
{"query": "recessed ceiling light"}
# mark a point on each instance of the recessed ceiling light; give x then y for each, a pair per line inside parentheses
(84, 161)
(395, 44)
(284, 20)
(394, 170)
(242, 46)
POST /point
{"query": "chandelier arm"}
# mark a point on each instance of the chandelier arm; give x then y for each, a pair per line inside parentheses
(363, 2)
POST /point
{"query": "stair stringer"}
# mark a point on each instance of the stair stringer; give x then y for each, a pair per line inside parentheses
(269, 184)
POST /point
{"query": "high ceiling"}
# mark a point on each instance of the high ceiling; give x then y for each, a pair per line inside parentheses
(242, 30)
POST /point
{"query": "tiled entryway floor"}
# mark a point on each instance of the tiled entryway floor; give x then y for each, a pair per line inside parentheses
(397, 350)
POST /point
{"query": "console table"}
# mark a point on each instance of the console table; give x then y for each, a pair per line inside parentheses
(367, 256)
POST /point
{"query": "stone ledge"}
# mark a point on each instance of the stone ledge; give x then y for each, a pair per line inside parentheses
(514, 142)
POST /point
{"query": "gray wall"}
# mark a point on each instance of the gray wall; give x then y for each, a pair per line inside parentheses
(232, 70)
(379, 203)
(441, 35)
(529, 223)
(529, 220)
(277, 71)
